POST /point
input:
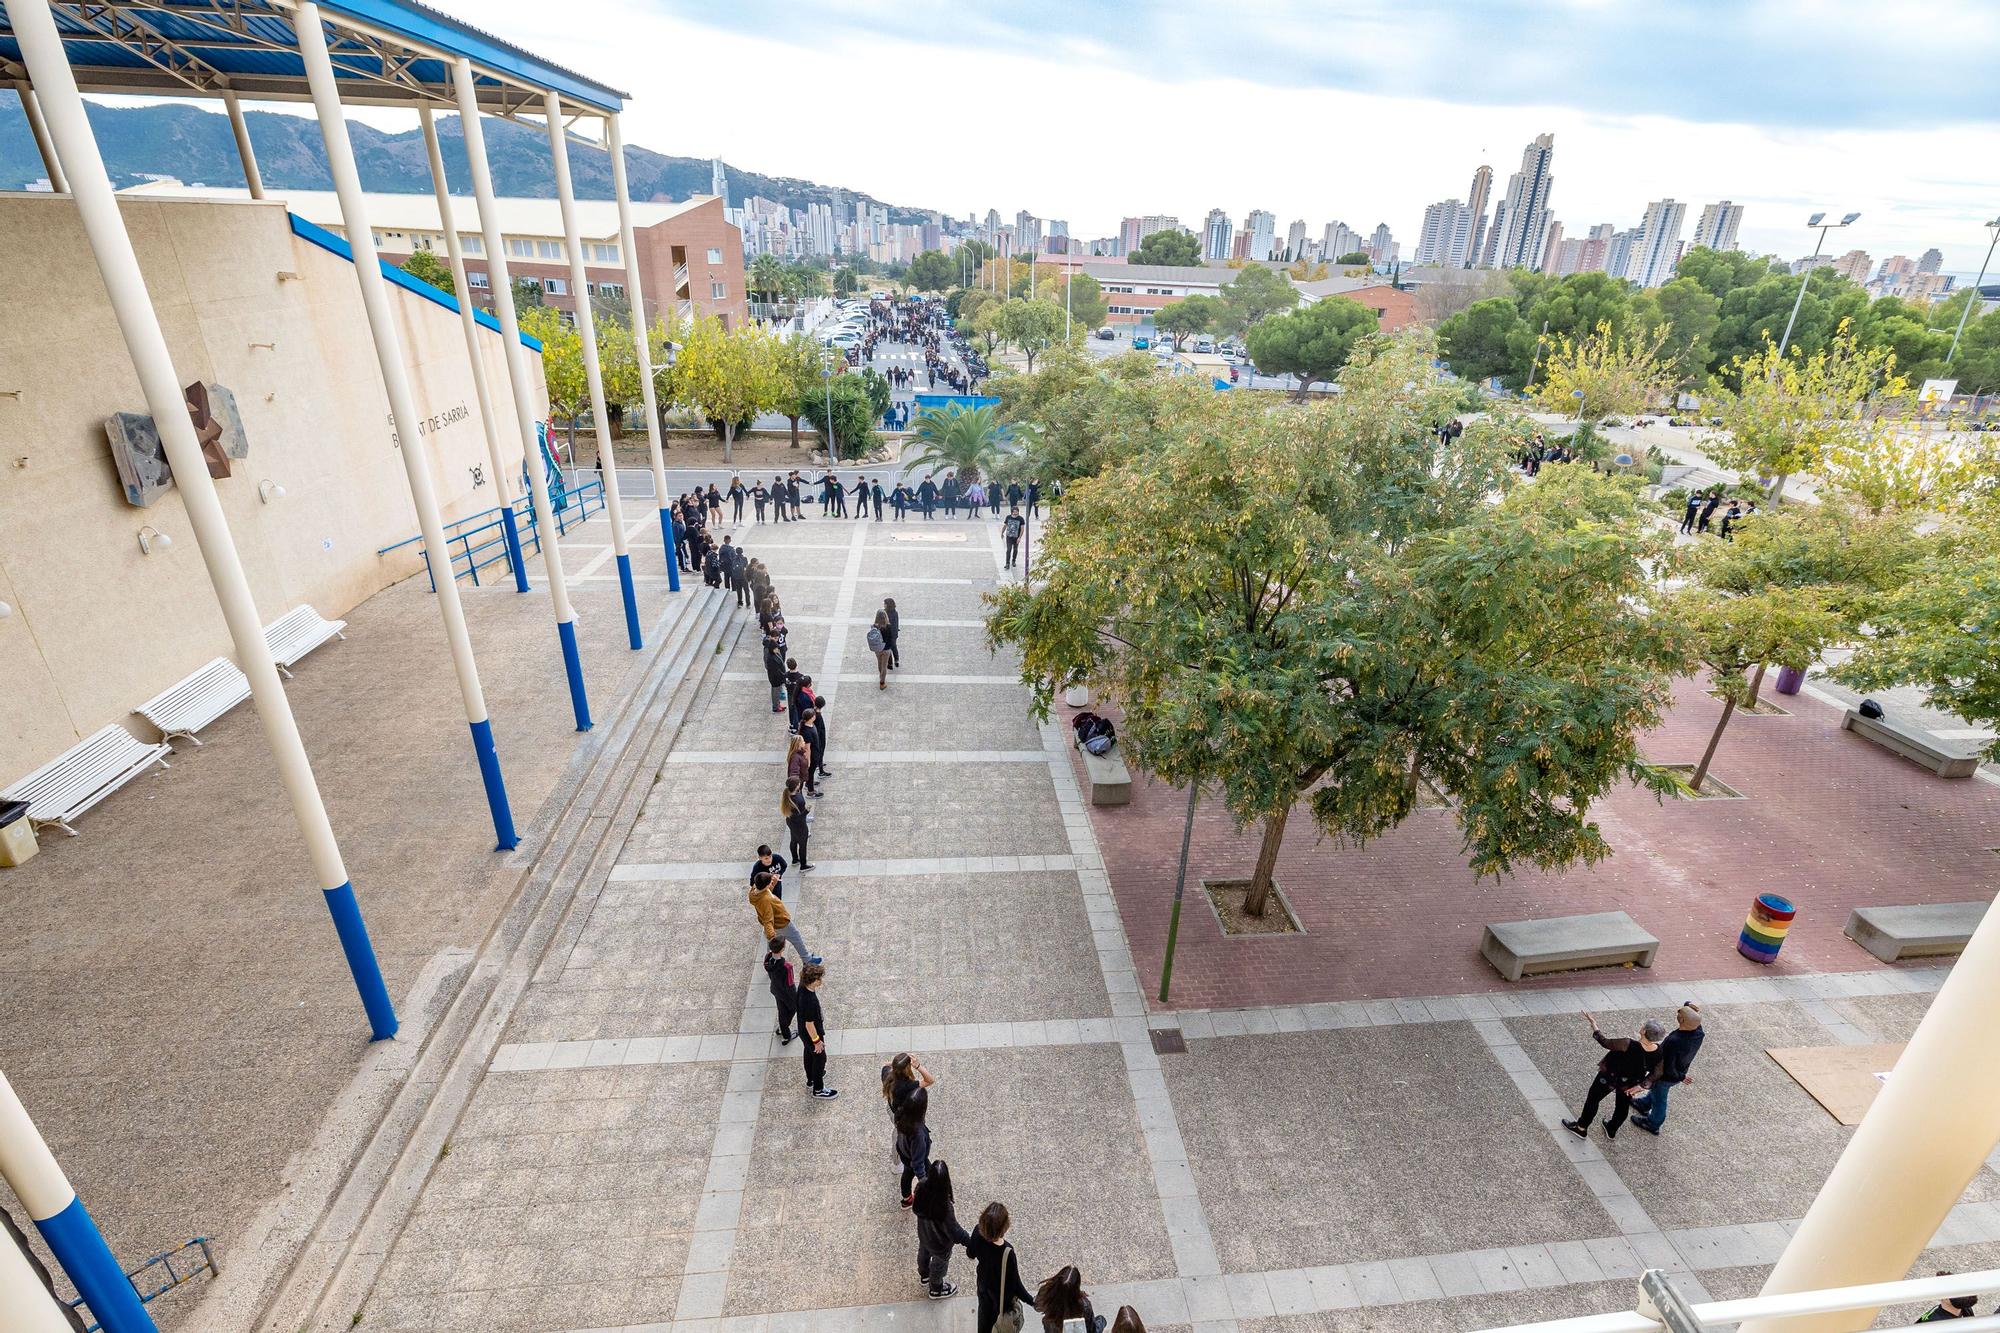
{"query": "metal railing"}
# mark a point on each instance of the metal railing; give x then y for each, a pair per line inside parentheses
(478, 541)
(1649, 1318)
(161, 1274)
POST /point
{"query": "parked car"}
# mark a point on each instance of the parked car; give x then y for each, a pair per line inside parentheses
(1140, 342)
(1107, 333)
(1204, 345)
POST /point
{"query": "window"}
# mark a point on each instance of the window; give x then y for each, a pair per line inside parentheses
(602, 254)
(549, 249)
(714, 255)
(474, 244)
(477, 278)
(616, 289)
(423, 242)
(521, 249)
(376, 236)
(717, 291)
(555, 286)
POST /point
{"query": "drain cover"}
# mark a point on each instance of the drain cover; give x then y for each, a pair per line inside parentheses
(1168, 1041)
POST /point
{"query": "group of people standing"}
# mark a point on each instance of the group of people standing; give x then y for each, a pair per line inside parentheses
(721, 564)
(1699, 513)
(1640, 1071)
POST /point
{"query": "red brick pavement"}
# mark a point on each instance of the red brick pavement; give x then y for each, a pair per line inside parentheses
(1830, 820)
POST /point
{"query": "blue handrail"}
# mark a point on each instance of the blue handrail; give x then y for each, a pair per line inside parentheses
(479, 541)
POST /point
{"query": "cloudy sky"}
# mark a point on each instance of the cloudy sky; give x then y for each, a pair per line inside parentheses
(1363, 110)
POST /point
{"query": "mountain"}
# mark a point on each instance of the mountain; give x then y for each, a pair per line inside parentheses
(183, 140)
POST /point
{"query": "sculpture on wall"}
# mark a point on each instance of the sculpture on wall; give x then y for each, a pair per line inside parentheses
(142, 460)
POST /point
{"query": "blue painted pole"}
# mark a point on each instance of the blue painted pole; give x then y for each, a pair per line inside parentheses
(360, 951)
(631, 600)
(673, 557)
(511, 526)
(496, 787)
(37, 1179)
(573, 667)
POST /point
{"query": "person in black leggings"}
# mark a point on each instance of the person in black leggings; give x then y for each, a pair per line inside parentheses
(795, 810)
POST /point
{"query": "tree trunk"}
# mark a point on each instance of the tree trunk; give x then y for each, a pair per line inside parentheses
(1305, 387)
(1777, 492)
(728, 441)
(1756, 684)
(795, 430)
(1708, 755)
(1267, 864)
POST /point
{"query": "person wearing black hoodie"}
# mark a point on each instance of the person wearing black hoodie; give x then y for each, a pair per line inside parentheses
(938, 1232)
(1629, 1063)
(784, 989)
(913, 1141)
(774, 671)
(998, 1283)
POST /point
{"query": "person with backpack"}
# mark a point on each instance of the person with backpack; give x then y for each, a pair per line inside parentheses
(1011, 528)
(784, 989)
(878, 644)
(938, 1231)
(997, 1284)
(894, 635)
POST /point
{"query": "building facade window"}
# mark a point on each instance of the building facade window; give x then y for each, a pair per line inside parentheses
(476, 278)
(555, 286)
(714, 255)
(717, 291)
(521, 249)
(616, 289)
(474, 244)
(602, 254)
(548, 249)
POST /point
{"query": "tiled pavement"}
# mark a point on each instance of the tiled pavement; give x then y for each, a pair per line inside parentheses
(641, 1154)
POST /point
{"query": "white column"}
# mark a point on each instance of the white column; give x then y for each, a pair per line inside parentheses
(51, 164)
(42, 50)
(1930, 1129)
(635, 293)
(502, 286)
(586, 328)
(440, 186)
(402, 404)
(241, 128)
(24, 1303)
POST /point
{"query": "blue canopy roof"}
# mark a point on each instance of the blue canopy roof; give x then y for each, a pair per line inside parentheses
(385, 52)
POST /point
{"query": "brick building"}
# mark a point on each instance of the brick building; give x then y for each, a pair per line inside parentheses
(690, 254)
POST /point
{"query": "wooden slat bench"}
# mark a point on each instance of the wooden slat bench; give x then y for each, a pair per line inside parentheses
(296, 633)
(1926, 930)
(1110, 780)
(1913, 743)
(187, 707)
(85, 774)
(1566, 943)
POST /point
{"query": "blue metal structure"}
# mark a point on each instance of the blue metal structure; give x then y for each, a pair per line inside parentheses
(477, 541)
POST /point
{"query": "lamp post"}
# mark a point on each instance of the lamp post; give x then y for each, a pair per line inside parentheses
(1959, 332)
(1180, 886)
(1816, 220)
(1536, 364)
(832, 444)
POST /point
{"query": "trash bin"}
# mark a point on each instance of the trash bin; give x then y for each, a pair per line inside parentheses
(1764, 933)
(17, 833)
(1077, 696)
(1790, 678)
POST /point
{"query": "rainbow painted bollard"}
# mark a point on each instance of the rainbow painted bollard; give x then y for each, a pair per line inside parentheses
(1764, 933)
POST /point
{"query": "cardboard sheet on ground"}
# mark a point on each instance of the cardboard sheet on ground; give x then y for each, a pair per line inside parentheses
(1843, 1079)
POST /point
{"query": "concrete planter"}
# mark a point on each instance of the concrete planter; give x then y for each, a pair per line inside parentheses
(1077, 696)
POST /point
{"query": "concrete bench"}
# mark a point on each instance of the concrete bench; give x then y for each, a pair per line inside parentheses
(1566, 943)
(296, 633)
(1929, 930)
(197, 701)
(85, 774)
(1913, 743)
(1110, 780)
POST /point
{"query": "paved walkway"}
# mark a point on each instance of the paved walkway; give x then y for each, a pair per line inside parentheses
(641, 1154)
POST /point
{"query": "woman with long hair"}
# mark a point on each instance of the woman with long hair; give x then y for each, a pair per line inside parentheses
(913, 1141)
(1062, 1299)
(998, 1285)
(938, 1231)
(793, 807)
(798, 760)
(1128, 1321)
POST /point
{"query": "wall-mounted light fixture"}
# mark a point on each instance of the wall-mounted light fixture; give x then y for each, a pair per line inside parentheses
(286, 275)
(268, 490)
(151, 539)
(269, 347)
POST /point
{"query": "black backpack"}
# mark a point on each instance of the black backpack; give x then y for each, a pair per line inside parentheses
(1095, 734)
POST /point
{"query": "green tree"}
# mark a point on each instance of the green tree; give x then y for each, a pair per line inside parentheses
(425, 266)
(1079, 413)
(957, 439)
(727, 375)
(562, 364)
(1084, 297)
(1326, 606)
(1170, 249)
(1255, 293)
(1354, 257)
(1685, 315)
(1188, 316)
(854, 415)
(766, 277)
(1601, 375)
(932, 271)
(796, 366)
(1480, 342)
(527, 293)
(1790, 412)
(1575, 306)
(1312, 343)
(1028, 326)
(845, 283)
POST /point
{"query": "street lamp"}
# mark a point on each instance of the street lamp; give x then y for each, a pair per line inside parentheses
(1994, 227)
(832, 441)
(1816, 220)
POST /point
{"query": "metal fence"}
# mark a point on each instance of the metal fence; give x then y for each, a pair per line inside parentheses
(478, 541)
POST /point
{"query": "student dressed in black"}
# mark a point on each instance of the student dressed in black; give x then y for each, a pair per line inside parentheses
(812, 1029)
(1628, 1064)
(998, 1283)
(784, 989)
(938, 1231)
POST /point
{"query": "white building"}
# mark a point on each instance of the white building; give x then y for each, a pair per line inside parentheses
(1718, 226)
(1340, 239)
(1446, 224)
(1216, 234)
(1474, 219)
(1295, 239)
(1652, 257)
(1524, 227)
(1262, 226)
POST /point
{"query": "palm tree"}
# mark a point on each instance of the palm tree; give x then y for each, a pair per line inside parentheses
(767, 276)
(963, 440)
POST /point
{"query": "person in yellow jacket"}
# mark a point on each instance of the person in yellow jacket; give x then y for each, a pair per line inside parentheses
(772, 916)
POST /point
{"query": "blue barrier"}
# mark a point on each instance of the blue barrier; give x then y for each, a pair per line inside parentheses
(480, 541)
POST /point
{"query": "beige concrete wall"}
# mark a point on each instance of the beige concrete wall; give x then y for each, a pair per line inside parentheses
(98, 626)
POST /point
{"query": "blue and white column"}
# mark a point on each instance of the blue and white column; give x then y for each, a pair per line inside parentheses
(32, 1172)
(503, 489)
(402, 405)
(502, 286)
(48, 67)
(586, 328)
(629, 245)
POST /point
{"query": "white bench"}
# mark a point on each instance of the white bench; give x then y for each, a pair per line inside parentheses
(296, 633)
(1110, 780)
(85, 774)
(197, 701)
(1566, 943)
(1927, 930)
(1913, 743)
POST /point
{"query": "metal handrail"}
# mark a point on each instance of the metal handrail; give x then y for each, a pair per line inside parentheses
(479, 541)
(173, 1277)
(1828, 1300)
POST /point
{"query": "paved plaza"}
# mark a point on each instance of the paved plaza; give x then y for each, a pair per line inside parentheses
(1362, 1130)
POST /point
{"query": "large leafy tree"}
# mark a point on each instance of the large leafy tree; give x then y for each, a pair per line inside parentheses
(1685, 315)
(855, 412)
(1176, 249)
(1188, 316)
(1080, 413)
(957, 439)
(1789, 412)
(1481, 341)
(797, 365)
(425, 266)
(1255, 293)
(1326, 604)
(1312, 343)
(1602, 374)
(1030, 327)
(1084, 297)
(562, 364)
(727, 375)
(932, 271)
